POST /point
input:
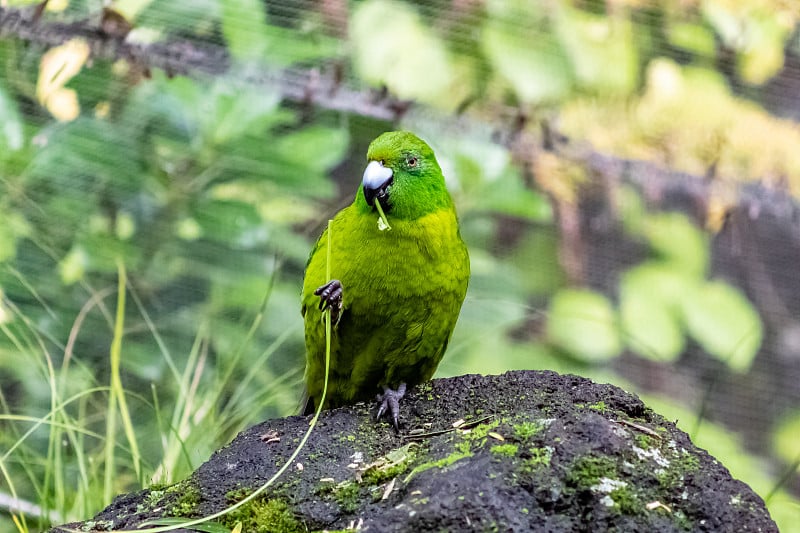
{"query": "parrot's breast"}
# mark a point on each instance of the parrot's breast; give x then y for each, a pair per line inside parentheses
(402, 293)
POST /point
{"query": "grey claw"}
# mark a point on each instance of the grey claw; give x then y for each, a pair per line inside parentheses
(330, 296)
(390, 402)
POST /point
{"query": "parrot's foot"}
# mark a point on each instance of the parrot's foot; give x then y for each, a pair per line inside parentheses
(330, 297)
(390, 402)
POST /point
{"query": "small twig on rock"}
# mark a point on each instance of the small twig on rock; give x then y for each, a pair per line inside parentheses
(418, 435)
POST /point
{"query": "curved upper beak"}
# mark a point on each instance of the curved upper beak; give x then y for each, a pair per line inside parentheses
(376, 181)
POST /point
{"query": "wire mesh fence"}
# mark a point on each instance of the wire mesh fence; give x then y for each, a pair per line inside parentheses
(625, 175)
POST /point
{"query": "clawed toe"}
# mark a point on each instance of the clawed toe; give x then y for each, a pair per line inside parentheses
(390, 402)
(330, 297)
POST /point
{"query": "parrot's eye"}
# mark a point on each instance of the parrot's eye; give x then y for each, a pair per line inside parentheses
(412, 162)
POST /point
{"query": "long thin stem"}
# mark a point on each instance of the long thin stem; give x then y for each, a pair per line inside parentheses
(300, 446)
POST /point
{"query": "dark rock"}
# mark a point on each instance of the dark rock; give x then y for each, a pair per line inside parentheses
(541, 452)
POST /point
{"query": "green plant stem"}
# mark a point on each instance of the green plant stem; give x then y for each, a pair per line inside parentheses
(328, 331)
(381, 214)
(117, 396)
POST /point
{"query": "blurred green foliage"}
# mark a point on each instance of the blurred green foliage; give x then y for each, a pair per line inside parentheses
(210, 191)
(668, 296)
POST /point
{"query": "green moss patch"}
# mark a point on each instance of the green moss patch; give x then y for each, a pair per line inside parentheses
(264, 515)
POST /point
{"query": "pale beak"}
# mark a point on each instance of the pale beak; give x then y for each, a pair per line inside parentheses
(375, 182)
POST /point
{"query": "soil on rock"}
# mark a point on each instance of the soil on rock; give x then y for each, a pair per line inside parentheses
(532, 451)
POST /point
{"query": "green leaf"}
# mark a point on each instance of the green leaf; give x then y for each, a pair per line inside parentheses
(250, 36)
(649, 310)
(500, 287)
(244, 26)
(721, 319)
(758, 34)
(85, 154)
(784, 439)
(239, 110)
(73, 266)
(263, 168)
(244, 292)
(236, 224)
(182, 18)
(631, 209)
(678, 241)
(693, 37)
(103, 251)
(491, 310)
(583, 323)
(466, 354)
(489, 180)
(12, 226)
(601, 49)
(663, 281)
(509, 196)
(539, 248)
(220, 112)
(393, 45)
(283, 310)
(725, 23)
(130, 9)
(523, 51)
(318, 148)
(298, 161)
(8, 243)
(764, 55)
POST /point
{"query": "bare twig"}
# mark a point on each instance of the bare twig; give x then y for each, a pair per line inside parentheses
(12, 505)
(322, 88)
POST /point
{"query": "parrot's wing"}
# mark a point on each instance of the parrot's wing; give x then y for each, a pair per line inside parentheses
(322, 242)
(314, 250)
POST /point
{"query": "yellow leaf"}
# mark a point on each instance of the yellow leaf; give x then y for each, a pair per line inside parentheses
(130, 9)
(57, 6)
(63, 104)
(58, 66)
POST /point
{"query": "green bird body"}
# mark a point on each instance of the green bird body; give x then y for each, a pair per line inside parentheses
(401, 288)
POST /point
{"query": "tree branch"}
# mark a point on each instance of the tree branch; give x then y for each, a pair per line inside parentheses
(323, 88)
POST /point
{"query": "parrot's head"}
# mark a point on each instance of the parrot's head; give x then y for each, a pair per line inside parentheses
(403, 175)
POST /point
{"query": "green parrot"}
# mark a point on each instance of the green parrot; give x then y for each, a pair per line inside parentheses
(395, 292)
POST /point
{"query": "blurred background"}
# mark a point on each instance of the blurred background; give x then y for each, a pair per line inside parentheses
(625, 172)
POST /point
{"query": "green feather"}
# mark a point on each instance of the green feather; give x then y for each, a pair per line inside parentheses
(402, 289)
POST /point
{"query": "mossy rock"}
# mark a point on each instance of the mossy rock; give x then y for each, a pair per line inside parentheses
(531, 452)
